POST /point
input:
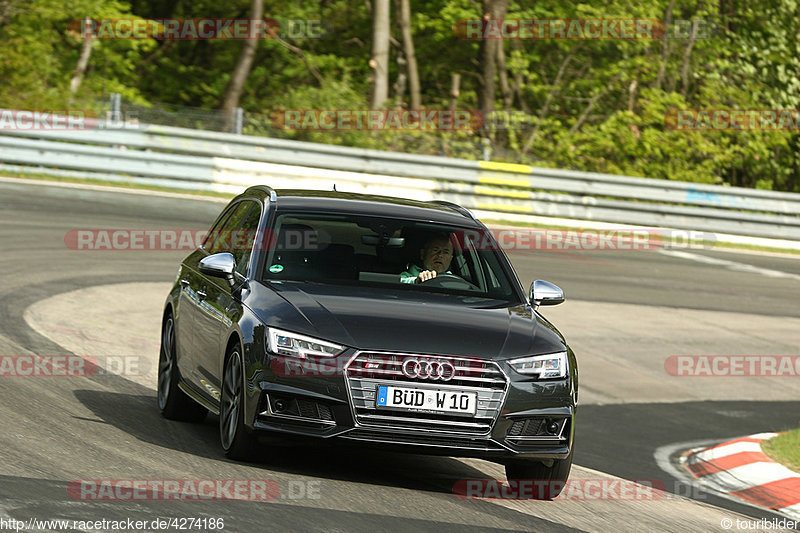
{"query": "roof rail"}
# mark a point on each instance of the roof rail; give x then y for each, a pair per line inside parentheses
(273, 196)
(463, 210)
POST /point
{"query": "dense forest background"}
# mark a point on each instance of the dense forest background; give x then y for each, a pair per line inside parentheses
(597, 105)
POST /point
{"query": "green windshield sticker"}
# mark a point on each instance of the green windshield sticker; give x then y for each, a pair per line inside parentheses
(276, 269)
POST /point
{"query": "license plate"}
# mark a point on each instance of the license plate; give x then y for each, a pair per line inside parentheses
(444, 401)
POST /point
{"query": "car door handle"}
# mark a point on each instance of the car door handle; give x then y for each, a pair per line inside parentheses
(202, 295)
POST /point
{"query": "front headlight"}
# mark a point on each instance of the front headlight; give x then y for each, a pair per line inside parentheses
(287, 343)
(548, 366)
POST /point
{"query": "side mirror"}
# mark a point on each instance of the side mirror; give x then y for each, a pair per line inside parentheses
(220, 265)
(545, 293)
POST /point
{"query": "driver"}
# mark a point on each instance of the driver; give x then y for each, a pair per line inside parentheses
(435, 256)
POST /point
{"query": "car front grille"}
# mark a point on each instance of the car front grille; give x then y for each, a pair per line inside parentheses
(366, 371)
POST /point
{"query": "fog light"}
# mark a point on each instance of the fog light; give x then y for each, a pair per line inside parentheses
(552, 427)
(280, 406)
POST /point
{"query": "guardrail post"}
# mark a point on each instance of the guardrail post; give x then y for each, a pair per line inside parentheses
(238, 120)
(487, 148)
(116, 105)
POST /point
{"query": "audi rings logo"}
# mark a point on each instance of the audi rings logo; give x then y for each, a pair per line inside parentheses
(428, 369)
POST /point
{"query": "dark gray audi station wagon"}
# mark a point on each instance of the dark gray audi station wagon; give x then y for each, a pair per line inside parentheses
(310, 314)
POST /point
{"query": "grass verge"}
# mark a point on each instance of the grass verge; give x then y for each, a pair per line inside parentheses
(785, 449)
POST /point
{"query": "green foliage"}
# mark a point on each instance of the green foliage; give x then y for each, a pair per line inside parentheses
(785, 449)
(40, 51)
(606, 112)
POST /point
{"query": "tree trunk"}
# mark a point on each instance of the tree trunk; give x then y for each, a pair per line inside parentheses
(665, 45)
(687, 55)
(380, 54)
(83, 63)
(492, 9)
(402, 80)
(455, 89)
(505, 86)
(242, 70)
(6, 11)
(588, 109)
(411, 58)
(632, 95)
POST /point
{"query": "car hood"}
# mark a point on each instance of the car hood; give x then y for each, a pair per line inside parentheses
(405, 321)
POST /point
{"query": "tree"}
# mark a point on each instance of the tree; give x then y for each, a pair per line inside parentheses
(587, 104)
(242, 70)
(83, 63)
(408, 51)
(380, 54)
(494, 11)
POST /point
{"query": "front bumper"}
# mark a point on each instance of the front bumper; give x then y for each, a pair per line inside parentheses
(514, 418)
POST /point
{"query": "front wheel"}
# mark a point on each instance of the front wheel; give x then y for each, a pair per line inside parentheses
(237, 440)
(172, 401)
(548, 481)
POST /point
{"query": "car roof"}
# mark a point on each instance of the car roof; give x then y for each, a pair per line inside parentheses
(366, 204)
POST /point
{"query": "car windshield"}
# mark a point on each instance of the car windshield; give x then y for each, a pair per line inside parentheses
(387, 254)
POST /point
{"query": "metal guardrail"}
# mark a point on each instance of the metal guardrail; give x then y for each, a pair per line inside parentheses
(193, 159)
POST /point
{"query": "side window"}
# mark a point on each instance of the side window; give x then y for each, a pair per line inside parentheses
(223, 235)
(243, 242)
(238, 233)
(473, 269)
(493, 279)
(209, 240)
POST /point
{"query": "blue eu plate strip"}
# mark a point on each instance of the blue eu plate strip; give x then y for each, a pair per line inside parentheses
(382, 395)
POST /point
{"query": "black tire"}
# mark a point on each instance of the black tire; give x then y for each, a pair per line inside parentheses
(237, 441)
(173, 402)
(549, 481)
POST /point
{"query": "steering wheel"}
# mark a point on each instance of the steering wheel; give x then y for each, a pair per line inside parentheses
(449, 281)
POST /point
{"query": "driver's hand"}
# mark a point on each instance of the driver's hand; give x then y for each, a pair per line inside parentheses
(425, 275)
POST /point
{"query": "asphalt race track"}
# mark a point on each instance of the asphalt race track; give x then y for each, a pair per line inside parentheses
(626, 312)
